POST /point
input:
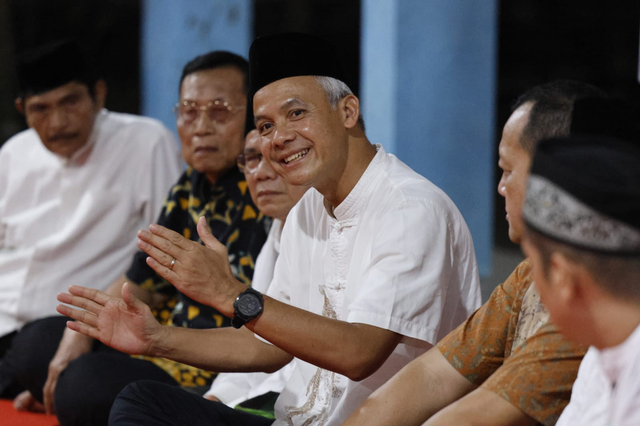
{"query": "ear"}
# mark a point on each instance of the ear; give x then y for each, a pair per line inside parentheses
(565, 278)
(100, 94)
(350, 107)
(19, 104)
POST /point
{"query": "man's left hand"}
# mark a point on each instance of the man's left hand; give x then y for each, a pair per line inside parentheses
(201, 272)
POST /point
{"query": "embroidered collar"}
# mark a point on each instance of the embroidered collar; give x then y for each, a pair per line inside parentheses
(361, 193)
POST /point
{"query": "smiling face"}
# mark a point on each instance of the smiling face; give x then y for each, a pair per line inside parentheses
(304, 139)
(269, 191)
(211, 147)
(514, 162)
(63, 117)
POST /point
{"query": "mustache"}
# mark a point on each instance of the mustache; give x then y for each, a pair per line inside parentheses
(62, 137)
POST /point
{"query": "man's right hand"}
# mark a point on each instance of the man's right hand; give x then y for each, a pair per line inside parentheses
(71, 347)
(125, 324)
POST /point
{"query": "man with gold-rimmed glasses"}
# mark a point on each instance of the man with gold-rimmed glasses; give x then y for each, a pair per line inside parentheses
(211, 124)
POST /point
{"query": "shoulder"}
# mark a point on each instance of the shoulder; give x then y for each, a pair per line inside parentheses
(26, 139)
(523, 274)
(401, 186)
(24, 150)
(405, 184)
(517, 284)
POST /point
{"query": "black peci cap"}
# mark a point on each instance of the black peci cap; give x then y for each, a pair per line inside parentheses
(52, 65)
(279, 56)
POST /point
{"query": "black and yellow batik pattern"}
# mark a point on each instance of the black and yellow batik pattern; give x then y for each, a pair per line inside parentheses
(235, 221)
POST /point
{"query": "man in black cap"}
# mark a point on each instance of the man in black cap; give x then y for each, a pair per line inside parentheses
(74, 187)
(376, 263)
(582, 216)
(506, 364)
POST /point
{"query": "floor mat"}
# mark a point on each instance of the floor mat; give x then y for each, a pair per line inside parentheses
(10, 417)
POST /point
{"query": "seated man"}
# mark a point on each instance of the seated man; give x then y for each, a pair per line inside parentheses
(505, 356)
(274, 197)
(73, 189)
(376, 264)
(582, 217)
(80, 383)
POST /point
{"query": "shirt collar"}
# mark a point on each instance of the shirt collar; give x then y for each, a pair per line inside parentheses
(232, 183)
(614, 359)
(361, 193)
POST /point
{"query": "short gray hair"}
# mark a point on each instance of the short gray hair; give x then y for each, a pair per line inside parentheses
(336, 90)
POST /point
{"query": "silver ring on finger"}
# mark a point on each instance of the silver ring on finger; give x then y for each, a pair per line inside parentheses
(173, 262)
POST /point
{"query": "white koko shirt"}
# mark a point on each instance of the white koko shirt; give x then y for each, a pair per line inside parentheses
(607, 390)
(74, 221)
(234, 388)
(395, 254)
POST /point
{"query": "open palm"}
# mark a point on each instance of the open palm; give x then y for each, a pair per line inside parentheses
(125, 324)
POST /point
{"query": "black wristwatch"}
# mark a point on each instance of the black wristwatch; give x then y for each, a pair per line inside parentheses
(248, 306)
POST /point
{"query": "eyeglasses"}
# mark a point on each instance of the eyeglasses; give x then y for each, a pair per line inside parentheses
(249, 162)
(218, 111)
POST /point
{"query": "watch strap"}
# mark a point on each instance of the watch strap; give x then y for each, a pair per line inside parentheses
(240, 319)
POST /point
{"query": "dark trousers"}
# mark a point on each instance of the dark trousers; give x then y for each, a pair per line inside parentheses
(151, 403)
(8, 387)
(88, 386)
(26, 362)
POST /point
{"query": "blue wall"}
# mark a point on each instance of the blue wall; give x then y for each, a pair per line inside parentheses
(428, 87)
(174, 32)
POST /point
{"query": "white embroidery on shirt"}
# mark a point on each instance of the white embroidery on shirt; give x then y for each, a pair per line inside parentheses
(322, 388)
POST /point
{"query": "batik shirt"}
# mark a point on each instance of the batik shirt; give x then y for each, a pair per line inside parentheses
(509, 347)
(235, 221)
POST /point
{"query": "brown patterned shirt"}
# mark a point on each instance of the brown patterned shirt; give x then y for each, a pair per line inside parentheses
(509, 347)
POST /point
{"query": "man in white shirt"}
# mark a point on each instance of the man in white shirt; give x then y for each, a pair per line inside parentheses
(582, 216)
(376, 265)
(81, 378)
(275, 198)
(74, 187)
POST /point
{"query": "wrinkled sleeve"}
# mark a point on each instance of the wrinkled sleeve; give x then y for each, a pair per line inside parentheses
(538, 376)
(407, 272)
(477, 348)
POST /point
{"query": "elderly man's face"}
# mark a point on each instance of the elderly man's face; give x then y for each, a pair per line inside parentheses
(269, 191)
(303, 138)
(63, 117)
(514, 162)
(212, 135)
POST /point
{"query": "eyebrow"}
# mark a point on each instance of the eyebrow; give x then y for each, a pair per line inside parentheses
(291, 102)
(70, 96)
(37, 104)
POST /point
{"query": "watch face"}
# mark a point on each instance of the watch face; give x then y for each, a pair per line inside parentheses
(249, 305)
